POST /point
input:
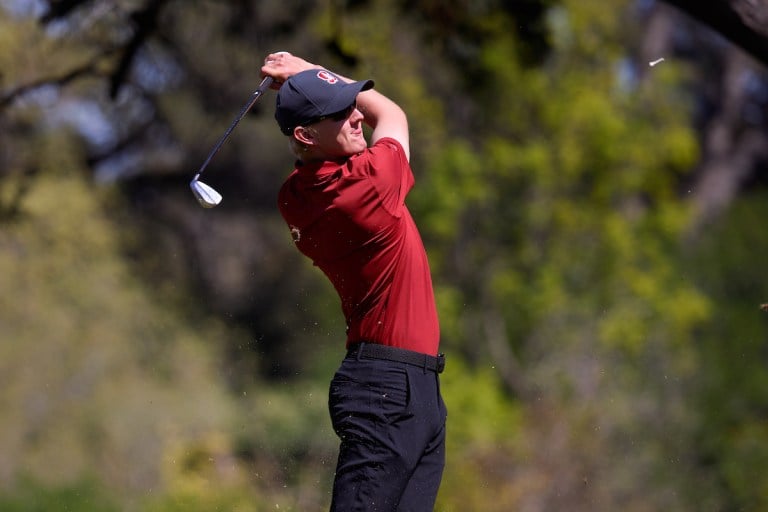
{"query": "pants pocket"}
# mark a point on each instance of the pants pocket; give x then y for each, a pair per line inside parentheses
(367, 395)
(394, 397)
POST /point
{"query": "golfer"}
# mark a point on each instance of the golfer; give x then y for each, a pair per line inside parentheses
(344, 204)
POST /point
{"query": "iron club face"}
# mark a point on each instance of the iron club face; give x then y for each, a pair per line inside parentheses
(205, 194)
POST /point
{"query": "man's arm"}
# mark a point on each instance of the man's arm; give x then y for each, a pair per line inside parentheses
(383, 115)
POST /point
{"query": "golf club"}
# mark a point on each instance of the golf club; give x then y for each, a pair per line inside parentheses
(205, 194)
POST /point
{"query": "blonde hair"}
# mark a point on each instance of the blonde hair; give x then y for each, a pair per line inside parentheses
(298, 148)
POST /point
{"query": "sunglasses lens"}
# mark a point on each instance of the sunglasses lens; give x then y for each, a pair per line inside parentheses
(340, 116)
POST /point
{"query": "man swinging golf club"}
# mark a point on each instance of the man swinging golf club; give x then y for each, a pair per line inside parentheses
(345, 206)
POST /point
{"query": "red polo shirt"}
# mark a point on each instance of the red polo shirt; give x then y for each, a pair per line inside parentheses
(350, 219)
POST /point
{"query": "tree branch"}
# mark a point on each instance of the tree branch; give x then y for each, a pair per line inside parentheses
(90, 68)
(145, 21)
(506, 362)
(60, 9)
(744, 23)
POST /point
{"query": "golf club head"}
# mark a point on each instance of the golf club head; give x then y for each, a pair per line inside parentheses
(205, 195)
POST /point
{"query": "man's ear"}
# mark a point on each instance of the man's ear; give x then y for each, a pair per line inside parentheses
(304, 135)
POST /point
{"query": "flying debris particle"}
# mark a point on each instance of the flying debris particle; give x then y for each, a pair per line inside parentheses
(657, 61)
(764, 307)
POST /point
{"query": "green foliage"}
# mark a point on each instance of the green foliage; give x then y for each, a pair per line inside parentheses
(563, 220)
(214, 500)
(201, 476)
(484, 435)
(728, 262)
(83, 496)
(599, 360)
(99, 375)
(472, 393)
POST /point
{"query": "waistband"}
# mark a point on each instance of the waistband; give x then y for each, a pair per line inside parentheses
(364, 350)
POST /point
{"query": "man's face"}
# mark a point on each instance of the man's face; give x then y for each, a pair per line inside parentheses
(340, 135)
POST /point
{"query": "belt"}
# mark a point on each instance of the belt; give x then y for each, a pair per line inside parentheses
(363, 350)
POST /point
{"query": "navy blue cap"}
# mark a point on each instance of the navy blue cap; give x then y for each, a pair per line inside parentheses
(312, 94)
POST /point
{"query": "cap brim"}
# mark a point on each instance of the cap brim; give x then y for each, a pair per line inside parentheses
(347, 96)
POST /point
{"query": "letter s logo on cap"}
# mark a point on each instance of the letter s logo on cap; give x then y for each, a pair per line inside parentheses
(326, 76)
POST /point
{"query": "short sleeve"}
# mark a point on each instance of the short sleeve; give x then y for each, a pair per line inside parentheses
(390, 173)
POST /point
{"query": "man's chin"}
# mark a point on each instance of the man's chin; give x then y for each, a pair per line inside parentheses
(358, 147)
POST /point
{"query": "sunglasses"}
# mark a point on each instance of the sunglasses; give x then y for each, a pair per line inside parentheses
(341, 115)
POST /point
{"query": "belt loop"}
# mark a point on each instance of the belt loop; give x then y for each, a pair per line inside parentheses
(426, 361)
(360, 350)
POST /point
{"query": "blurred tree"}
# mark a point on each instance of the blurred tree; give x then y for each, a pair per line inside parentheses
(81, 497)
(557, 176)
(99, 374)
(553, 231)
(157, 131)
(728, 261)
(730, 106)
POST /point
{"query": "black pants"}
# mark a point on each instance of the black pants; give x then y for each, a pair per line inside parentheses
(390, 418)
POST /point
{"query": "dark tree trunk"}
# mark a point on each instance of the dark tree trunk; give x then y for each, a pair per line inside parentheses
(743, 22)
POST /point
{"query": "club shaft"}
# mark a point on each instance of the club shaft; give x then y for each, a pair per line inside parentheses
(263, 86)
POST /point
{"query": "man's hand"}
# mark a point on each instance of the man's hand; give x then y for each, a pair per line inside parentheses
(283, 65)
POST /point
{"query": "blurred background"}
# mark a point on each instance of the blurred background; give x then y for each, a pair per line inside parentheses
(596, 227)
